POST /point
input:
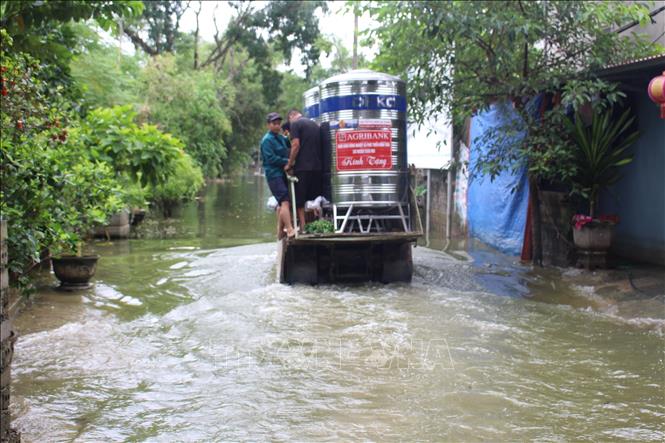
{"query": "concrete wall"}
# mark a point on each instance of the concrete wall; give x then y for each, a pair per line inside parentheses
(439, 206)
(639, 197)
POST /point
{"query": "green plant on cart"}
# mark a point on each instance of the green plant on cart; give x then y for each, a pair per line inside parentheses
(319, 227)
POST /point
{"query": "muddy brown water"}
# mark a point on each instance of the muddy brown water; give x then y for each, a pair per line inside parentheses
(187, 337)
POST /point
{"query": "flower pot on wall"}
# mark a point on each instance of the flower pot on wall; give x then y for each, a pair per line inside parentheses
(118, 226)
(593, 241)
(74, 272)
(594, 238)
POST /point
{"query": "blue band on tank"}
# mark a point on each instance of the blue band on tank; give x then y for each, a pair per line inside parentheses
(312, 111)
(363, 102)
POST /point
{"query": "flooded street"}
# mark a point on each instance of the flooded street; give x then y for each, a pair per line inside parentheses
(187, 337)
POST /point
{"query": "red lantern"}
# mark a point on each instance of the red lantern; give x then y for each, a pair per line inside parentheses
(656, 91)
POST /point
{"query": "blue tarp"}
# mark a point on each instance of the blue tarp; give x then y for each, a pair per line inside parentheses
(497, 209)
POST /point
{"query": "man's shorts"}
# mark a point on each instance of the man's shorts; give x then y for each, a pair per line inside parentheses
(308, 186)
(279, 189)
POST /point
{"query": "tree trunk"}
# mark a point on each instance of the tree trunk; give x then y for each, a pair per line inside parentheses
(196, 38)
(355, 41)
(536, 221)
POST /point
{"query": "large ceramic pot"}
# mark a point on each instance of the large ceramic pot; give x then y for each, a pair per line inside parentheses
(594, 237)
(592, 242)
(74, 272)
(118, 226)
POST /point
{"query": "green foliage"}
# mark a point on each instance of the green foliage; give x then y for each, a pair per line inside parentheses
(106, 76)
(246, 108)
(319, 227)
(159, 21)
(601, 151)
(184, 182)
(52, 192)
(280, 26)
(188, 104)
(143, 152)
(20, 16)
(291, 93)
(135, 195)
(342, 59)
(44, 29)
(461, 57)
(293, 25)
(149, 163)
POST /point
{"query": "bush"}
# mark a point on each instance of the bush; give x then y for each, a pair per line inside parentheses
(151, 163)
(188, 104)
(143, 152)
(319, 227)
(52, 191)
(184, 183)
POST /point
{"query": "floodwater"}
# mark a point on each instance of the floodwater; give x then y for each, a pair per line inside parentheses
(187, 337)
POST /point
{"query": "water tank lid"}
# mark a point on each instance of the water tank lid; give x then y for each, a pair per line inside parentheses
(361, 75)
(312, 91)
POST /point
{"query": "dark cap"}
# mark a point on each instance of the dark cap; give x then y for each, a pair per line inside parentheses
(273, 116)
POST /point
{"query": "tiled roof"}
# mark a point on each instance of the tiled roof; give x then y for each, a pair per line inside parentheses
(651, 58)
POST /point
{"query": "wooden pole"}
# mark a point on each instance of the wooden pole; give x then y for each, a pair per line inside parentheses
(7, 340)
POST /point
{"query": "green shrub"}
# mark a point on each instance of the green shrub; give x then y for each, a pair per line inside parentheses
(319, 227)
(106, 76)
(152, 163)
(52, 191)
(189, 105)
(184, 183)
(143, 152)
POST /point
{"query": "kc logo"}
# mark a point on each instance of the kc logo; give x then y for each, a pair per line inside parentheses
(367, 101)
(385, 102)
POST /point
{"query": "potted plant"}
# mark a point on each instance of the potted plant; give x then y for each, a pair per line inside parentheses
(601, 150)
(88, 197)
(74, 270)
(71, 266)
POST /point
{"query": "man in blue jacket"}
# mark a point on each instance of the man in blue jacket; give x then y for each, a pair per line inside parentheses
(275, 155)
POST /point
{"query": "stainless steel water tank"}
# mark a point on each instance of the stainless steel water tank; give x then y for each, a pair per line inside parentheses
(366, 111)
(311, 109)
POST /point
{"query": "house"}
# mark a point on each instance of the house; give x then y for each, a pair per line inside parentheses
(495, 211)
(639, 197)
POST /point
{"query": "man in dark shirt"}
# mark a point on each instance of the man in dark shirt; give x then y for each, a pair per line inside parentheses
(275, 154)
(305, 160)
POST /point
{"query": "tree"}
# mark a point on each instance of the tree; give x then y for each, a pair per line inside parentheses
(50, 189)
(189, 104)
(155, 31)
(285, 26)
(460, 57)
(342, 59)
(43, 28)
(291, 93)
(280, 27)
(106, 76)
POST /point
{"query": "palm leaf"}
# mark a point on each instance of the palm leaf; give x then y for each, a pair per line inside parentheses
(602, 150)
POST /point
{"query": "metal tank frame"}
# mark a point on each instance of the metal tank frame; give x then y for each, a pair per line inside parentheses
(368, 200)
(311, 104)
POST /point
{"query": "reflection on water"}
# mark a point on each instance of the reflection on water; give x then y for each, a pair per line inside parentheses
(184, 338)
